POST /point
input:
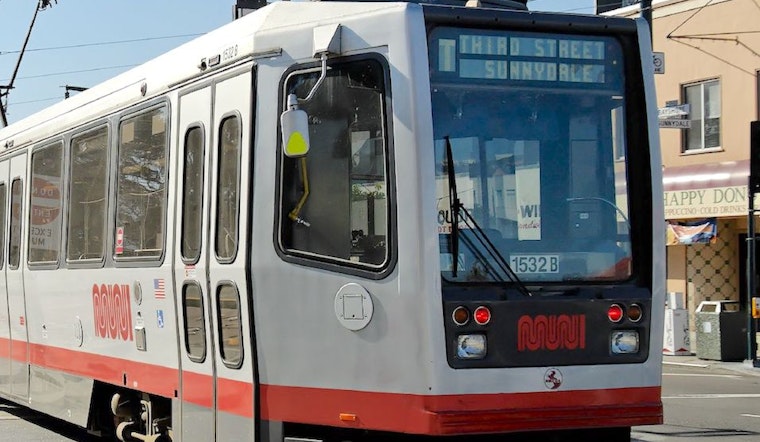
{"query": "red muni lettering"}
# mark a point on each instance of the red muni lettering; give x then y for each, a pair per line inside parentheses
(112, 311)
(552, 332)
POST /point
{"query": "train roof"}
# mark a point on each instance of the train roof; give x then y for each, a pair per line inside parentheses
(182, 64)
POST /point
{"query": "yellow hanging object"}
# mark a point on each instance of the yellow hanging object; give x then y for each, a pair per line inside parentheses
(296, 145)
(295, 130)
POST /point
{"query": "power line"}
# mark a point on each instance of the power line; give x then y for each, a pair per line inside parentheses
(101, 43)
(101, 68)
(16, 103)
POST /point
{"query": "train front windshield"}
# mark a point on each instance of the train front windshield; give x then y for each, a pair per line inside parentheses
(530, 147)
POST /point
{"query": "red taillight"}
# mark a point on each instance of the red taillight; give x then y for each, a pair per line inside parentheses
(482, 315)
(461, 315)
(615, 313)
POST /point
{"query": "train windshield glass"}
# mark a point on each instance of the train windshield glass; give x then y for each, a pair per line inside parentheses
(534, 126)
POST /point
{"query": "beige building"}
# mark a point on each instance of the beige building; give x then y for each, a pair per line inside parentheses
(708, 95)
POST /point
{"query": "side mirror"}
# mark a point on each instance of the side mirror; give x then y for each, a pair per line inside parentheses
(295, 130)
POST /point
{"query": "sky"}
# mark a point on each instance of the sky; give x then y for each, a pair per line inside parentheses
(81, 43)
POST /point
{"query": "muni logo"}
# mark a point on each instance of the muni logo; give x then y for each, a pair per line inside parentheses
(113, 311)
(553, 332)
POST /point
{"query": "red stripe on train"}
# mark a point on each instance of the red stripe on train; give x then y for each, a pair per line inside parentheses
(19, 351)
(234, 397)
(5, 348)
(150, 378)
(463, 414)
(197, 389)
(420, 414)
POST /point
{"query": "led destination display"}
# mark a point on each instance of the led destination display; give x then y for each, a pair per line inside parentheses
(521, 58)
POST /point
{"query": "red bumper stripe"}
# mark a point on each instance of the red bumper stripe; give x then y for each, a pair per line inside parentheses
(464, 414)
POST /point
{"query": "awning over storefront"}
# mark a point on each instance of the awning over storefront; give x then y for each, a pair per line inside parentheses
(705, 176)
(706, 190)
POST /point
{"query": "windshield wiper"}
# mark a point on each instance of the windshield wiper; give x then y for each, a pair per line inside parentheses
(456, 207)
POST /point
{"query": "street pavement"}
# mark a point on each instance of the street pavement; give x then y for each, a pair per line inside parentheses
(706, 400)
(744, 367)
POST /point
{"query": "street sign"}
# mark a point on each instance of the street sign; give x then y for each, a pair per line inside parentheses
(675, 124)
(659, 62)
(673, 111)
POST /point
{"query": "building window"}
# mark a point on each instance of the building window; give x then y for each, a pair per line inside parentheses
(704, 101)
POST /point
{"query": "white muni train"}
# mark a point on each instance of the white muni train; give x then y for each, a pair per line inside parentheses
(345, 221)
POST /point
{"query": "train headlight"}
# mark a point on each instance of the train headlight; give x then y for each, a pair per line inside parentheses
(624, 342)
(471, 346)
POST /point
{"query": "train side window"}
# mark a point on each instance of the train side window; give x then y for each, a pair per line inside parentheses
(195, 322)
(88, 196)
(334, 202)
(14, 240)
(45, 214)
(228, 189)
(229, 323)
(192, 196)
(3, 197)
(141, 187)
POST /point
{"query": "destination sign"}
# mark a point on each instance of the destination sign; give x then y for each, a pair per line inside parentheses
(521, 57)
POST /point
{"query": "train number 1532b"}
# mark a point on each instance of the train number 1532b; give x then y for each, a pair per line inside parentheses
(534, 263)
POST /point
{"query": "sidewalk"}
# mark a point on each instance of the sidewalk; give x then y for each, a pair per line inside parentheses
(692, 360)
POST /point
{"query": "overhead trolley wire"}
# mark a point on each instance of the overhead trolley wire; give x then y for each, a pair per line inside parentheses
(79, 71)
(101, 43)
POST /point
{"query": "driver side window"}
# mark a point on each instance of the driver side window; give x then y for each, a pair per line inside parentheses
(334, 202)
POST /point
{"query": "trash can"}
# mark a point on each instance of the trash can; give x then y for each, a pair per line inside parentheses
(721, 331)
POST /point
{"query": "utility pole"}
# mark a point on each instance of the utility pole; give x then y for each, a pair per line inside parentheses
(754, 187)
(6, 89)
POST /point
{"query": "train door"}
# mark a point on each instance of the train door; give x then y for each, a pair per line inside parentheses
(5, 326)
(217, 357)
(229, 240)
(19, 366)
(191, 267)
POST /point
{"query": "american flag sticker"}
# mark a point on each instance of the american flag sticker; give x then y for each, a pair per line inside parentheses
(159, 288)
